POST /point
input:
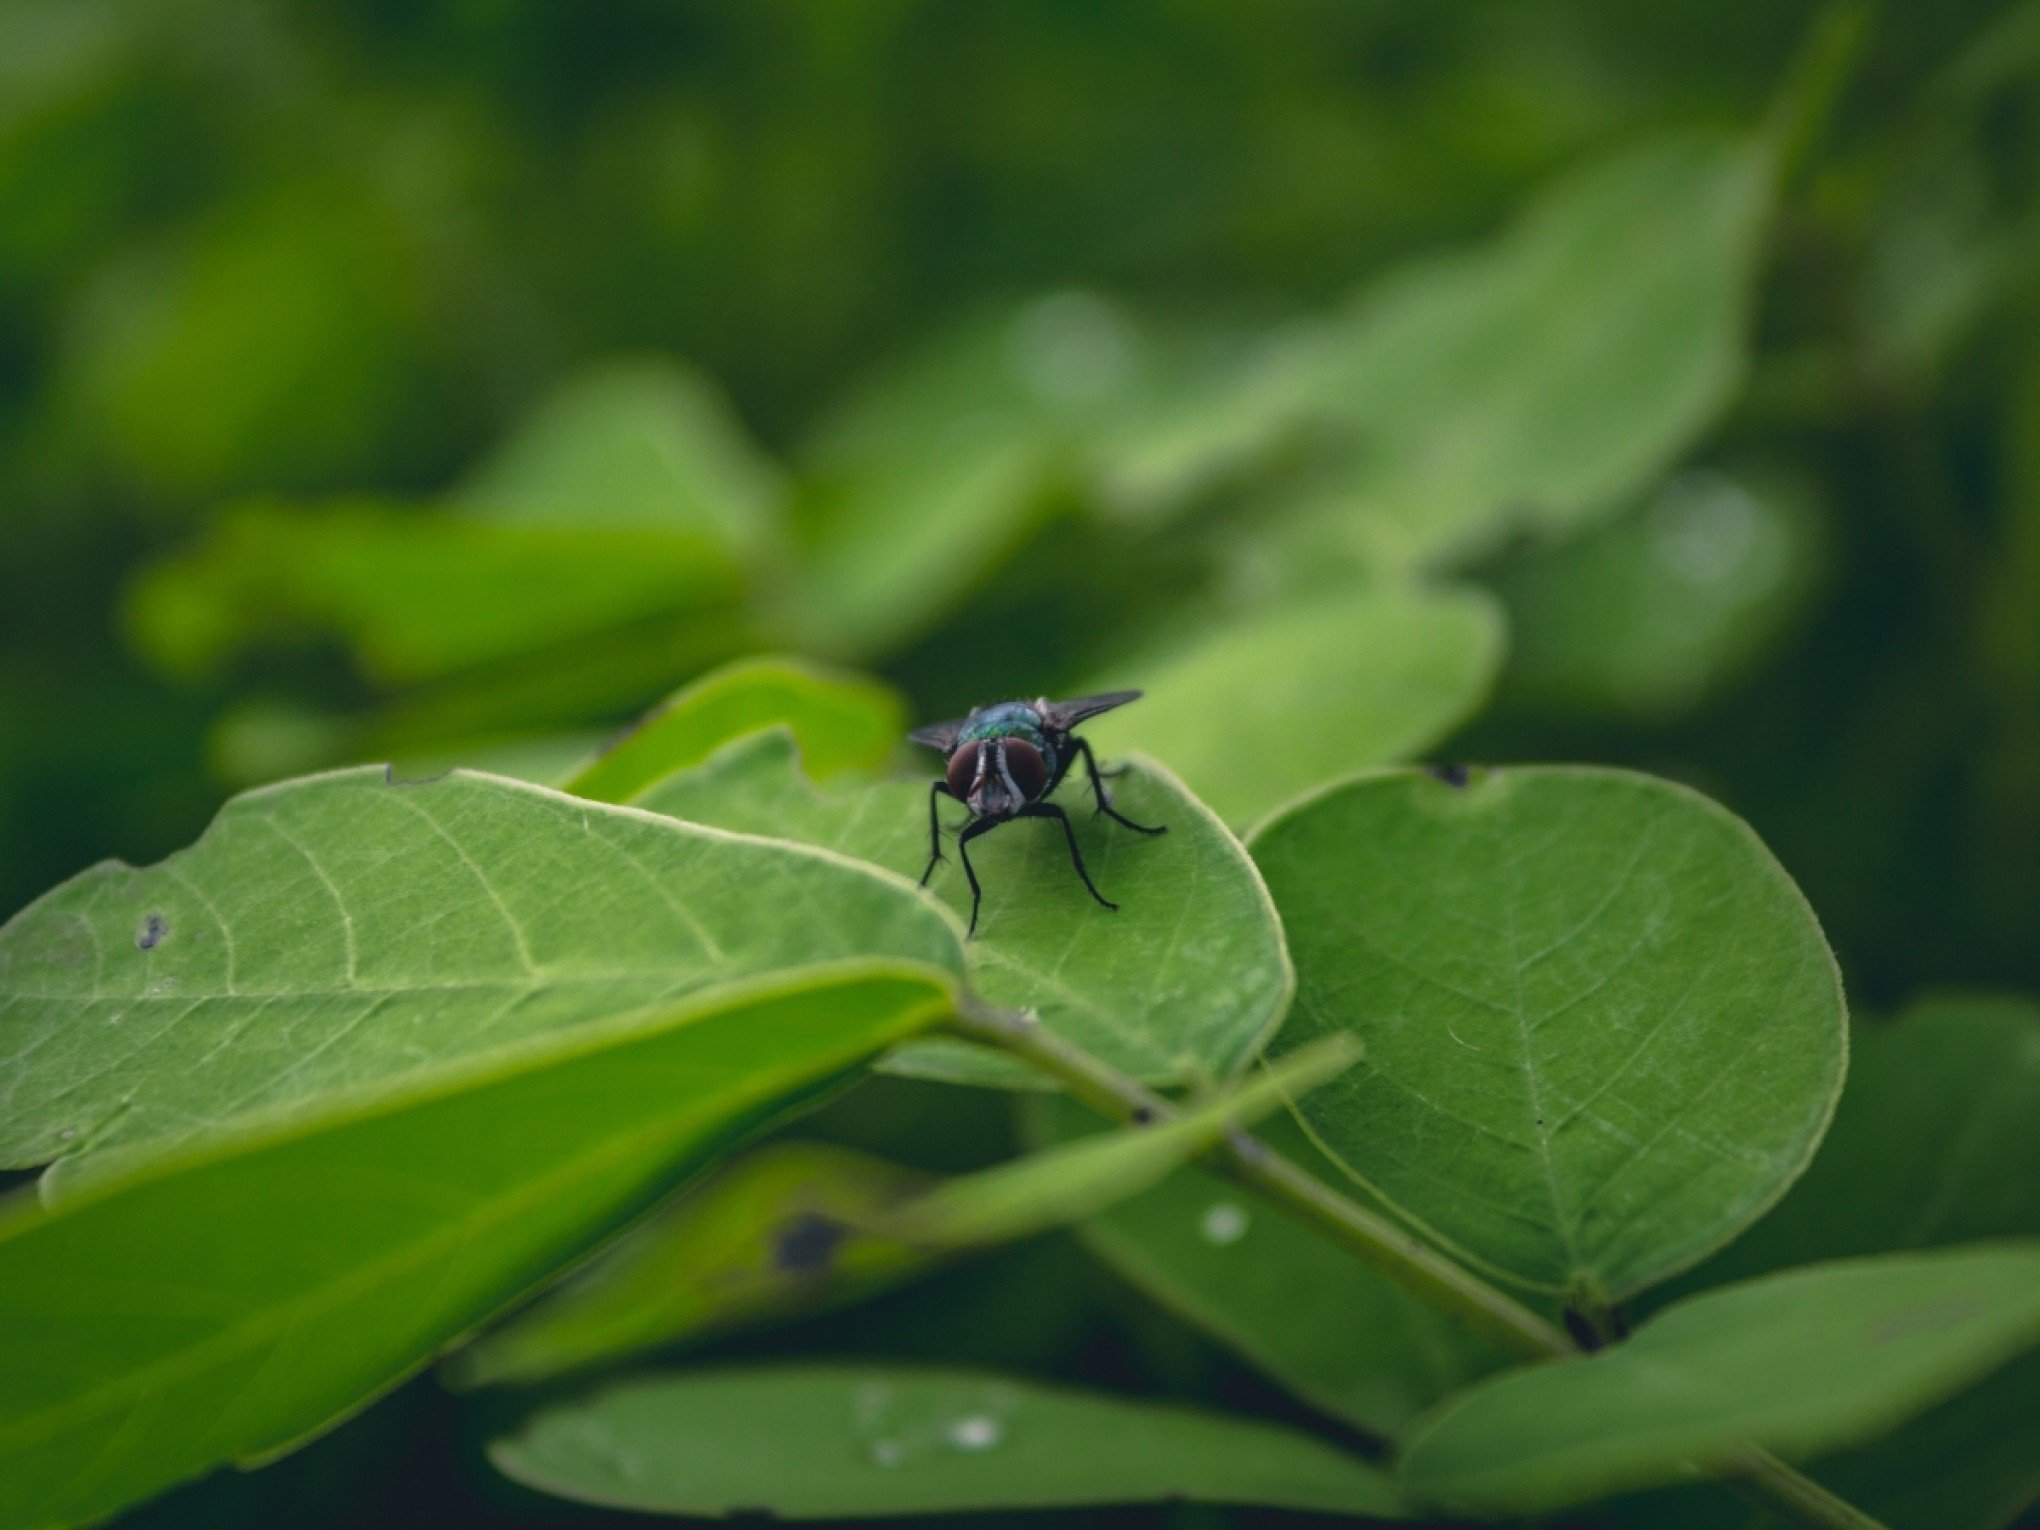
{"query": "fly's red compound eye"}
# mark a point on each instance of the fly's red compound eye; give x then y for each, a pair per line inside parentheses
(963, 768)
(1025, 765)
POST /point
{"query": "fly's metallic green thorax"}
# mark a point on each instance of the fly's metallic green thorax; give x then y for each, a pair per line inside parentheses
(1009, 719)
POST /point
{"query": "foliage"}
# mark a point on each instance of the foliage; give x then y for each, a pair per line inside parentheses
(395, 402)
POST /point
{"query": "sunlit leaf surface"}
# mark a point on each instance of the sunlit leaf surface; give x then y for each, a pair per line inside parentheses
(1185, 980)
(840, 721)
(342, 931)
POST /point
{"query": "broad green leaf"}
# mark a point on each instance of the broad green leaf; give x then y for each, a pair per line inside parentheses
(785, 1230)
(842, 1441)
(1941, 1103)
(1536, 380)
(1263, 1285)
(934, 472)
(1262, 709)
(223, 1304)
(416, 593)
(1075, 1179)
(342, 931)
(1797, 1362)
(1604, 1032)
(802, 1226)
(1652, 613)
(841, 721)
(1927, 1147)
(649, 443)
(1185, 981)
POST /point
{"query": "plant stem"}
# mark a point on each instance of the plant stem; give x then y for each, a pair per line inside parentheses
(1389, 1250)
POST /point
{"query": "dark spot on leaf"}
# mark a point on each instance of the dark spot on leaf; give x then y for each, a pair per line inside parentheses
(1451, 775)
(1141, 1115)
(807, 1244)
(391, 778)
(150, 935)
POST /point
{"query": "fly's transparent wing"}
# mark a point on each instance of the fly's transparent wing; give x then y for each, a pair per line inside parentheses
(941, 735)
(1065, 715)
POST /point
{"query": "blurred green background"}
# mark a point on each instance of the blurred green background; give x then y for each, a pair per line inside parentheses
(450, 381)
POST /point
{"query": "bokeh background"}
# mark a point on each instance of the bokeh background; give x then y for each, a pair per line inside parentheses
(449, 381)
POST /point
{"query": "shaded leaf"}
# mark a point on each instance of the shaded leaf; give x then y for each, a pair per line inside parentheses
(784, 1230)
(935, 471)
(1185, 981)
(1534, 381)
(342, 931)
(1077, 1178)
(1798, 1362)
(223, 1304)
(841, 721)
(802, 1225)
(1654, 612)
(1263, 1284)
(415, 593)
(645, 443)
(820, 1443)
(1604, 1032)
(1262, 709)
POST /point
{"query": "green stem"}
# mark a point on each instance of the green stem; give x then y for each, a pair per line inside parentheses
(1389, 1250)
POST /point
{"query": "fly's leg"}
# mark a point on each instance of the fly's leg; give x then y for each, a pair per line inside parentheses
(1050, 810)
(1105, 802)
(970, 832)
(938, 788)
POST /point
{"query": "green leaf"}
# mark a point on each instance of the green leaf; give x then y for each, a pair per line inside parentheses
(1261, 1284)
(342, 931)
(1534, 381)
(224, 1304)
(1185, 981)
(1079, 1178)
(1939, 1103)
(932, 473)
(802, 1226)
(824, 1443)
(1259, 710)
(841, 721)
(788, 1229)
(1798, 1362)
(1603, 1030)
(649, 443)
(1649, 615)
(417, 594)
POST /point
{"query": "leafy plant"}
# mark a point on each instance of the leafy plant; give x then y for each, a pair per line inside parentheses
(1437, 1141)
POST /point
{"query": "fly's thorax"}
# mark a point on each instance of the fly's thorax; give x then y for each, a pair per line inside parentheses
(1010, 720)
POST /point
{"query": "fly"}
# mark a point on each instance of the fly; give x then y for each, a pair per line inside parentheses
(1004, 761)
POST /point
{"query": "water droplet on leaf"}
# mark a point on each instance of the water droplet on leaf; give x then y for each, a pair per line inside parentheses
(1223, 1223)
